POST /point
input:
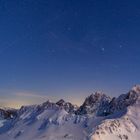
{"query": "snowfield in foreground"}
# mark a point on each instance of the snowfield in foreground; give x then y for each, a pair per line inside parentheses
(100, 117)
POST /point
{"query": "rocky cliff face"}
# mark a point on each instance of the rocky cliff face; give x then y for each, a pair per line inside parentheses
(7, 113)
(94, 104)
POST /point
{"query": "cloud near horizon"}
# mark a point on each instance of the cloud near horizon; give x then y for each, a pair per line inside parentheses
(19, 98)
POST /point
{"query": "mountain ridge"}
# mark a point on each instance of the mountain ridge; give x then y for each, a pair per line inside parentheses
(100, 117)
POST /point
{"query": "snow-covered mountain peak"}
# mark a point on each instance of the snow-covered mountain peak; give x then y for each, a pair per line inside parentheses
(136, 89)
(47, 104)
(94, 104)
(96, 97)
(61, 102)
(69, 107)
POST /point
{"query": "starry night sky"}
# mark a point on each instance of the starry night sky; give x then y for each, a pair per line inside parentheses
(67, 49)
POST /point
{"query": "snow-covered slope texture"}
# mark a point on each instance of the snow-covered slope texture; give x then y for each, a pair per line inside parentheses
(99, 118)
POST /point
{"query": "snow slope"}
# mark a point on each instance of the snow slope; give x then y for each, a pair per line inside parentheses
(126, 127)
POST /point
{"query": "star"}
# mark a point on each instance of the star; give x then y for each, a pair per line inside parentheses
(120, 46)
(69, 28)
(102, 49)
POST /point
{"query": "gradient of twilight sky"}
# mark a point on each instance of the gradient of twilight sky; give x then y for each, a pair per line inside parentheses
(67, 49)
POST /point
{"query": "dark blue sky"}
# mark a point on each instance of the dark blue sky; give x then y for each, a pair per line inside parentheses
(67, 49)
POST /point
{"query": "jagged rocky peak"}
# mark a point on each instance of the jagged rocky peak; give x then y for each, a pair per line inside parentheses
(48, 103)
(136, 89)
(131, 97)
(95, 98)
(69, 107)
(94, 104)
(61, 102)
(7, 113)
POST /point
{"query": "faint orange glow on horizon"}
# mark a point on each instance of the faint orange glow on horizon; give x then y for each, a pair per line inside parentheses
(11, 103)
(17, 103)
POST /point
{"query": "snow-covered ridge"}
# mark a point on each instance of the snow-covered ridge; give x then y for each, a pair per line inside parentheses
(100, 117)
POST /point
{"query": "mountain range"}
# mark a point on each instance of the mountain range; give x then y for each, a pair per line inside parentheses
(100, 117)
